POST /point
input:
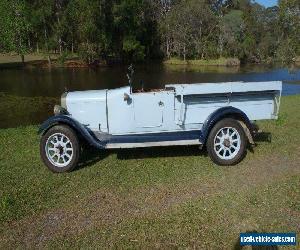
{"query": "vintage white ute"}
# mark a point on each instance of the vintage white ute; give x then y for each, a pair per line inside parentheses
(217, 115)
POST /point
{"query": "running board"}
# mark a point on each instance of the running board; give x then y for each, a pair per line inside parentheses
(153, 144)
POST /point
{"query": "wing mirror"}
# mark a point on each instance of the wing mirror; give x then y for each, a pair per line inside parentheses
(130, 73)
(126, 97)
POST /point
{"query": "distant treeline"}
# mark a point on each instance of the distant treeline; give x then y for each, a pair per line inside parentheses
(136, 30)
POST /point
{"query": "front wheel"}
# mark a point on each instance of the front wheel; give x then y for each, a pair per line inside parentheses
(227, 142)
(59, 149)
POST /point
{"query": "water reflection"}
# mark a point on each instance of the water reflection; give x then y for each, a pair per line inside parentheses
(28, 92)
(45, 82)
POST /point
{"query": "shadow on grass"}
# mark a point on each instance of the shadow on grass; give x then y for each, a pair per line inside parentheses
(259, 137)
(263, 137)
(90, 156)
(158, 152)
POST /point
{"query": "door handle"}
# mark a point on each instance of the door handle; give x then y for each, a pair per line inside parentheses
(160, 103)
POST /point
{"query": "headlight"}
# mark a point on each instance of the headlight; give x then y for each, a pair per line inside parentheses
(63, 100)
(58, 110)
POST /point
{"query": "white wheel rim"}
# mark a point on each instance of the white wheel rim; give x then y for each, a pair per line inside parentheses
(59, 150)
(227, 143)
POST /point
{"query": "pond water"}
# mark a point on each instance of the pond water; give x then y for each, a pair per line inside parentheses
(48, 83)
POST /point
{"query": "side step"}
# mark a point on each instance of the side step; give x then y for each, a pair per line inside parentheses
(151, 139)
(153, 144)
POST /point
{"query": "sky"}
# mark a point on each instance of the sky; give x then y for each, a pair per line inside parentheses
(267, 3)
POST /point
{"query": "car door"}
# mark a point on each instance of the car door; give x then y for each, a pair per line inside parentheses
(148, 109)
(120, 115)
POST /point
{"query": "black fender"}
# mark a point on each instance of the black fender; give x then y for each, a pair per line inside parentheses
(222, 113)
(82, 130)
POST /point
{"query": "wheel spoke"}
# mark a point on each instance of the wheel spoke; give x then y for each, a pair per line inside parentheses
(233, 134)
(227, 143)
(68, 155)
(63, 158)
(224, 153)
(53, 157)
(59, 142)
(228, 151)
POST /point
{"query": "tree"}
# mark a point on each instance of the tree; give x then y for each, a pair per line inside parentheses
(82, 15)
(232, 30)
(289, 22)
(134, 30)
(191, 25)
(161, 9)
(14, 29)
(130, 22)
(41, 19)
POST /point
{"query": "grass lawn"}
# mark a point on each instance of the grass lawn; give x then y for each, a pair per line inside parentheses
(207, 62)
(38, 60)
(150, 198)
(7, 58)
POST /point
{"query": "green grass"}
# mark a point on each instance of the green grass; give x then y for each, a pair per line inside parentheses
(14, 58)
(40, 60)
(150, 198)
(206, 62)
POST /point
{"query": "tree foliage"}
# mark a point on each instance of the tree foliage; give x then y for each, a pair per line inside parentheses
(15, 27)
(135, 30)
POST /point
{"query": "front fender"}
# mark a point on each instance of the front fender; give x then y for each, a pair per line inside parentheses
(74, 124)
(221, 113)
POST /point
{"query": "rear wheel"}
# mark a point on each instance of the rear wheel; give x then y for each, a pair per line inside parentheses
(227, 142)
(60, 149)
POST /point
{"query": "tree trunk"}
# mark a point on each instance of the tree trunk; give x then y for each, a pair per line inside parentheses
(220, 45)
(29, 44)
(46, 42)
(49, 60)
(167, 48)
(58, 21)
(23, 59)
(37, 47)
(60, 49)
(72, 46)
(184, 53)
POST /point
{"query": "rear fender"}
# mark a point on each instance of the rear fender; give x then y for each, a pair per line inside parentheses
(227, 112)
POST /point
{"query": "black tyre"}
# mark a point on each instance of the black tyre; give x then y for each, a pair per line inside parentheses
(227, 142)
(60, 149)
